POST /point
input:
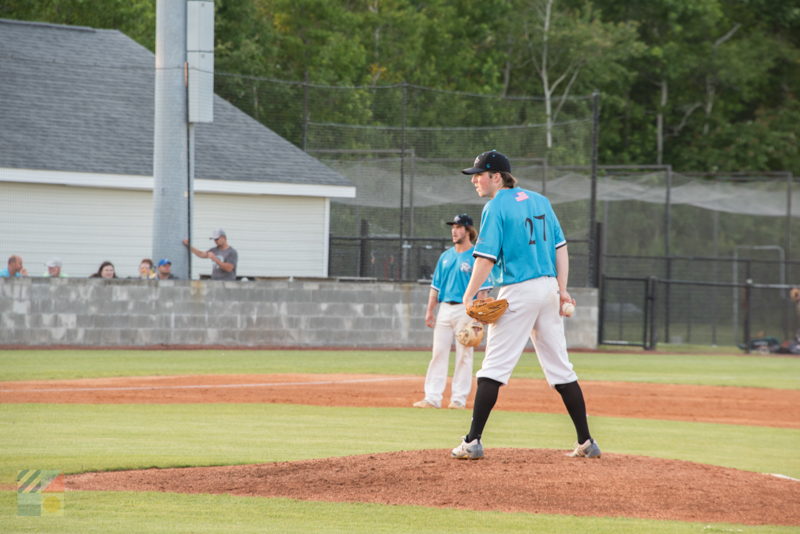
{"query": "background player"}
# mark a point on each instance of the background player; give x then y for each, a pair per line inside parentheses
(521, 239)
(449, 282)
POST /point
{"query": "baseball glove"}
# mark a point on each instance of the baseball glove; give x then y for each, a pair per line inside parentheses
(487, 310)
(470, 334)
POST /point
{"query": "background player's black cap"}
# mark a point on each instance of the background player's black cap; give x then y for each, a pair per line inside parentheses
(462, 219)
(491, 160)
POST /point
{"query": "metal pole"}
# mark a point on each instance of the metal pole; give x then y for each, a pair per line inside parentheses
(601, 297)
(363, 249)
(788, 237)
(653, 294)
(413, 256)
(413, 167)
(748, 288)
(190, 194)
(593, 249)
(646, 322)
(171, 172)
(667, 231)
(667, 303)
(600, 263)
(305, 111)
(402, 182)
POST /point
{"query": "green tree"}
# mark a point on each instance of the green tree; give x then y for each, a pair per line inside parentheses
(568, 48)
(713, 71)
(134, 18)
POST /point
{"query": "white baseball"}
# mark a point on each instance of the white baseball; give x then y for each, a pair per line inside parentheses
(568, 309)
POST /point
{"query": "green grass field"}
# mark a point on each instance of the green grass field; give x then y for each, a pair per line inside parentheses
(75, 438)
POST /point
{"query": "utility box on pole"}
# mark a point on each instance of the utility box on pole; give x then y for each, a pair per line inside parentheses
(200, 55)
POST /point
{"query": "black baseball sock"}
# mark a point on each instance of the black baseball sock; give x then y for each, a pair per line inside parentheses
(485, 397)
(572, 396)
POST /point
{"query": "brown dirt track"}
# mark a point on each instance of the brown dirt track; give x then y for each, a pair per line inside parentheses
(517, 480)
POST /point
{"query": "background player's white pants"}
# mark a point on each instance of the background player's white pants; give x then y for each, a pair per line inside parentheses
(533, 312)
(449, 317)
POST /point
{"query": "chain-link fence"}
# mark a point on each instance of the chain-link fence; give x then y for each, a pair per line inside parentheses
(648, 311)
(403, 147)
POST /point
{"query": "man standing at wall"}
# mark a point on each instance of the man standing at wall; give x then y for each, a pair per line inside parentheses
(450, 279)
(222, 254)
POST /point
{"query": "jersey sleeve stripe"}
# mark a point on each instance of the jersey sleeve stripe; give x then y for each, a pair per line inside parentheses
(485, 255)
(562, 244)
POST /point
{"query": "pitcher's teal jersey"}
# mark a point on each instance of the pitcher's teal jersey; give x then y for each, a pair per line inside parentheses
(520, 233)
(452, 274)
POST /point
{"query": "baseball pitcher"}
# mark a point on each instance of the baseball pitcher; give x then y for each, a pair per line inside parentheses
(521, 243)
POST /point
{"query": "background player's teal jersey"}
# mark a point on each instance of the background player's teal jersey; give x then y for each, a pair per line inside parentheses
(520, 233)
(452, 274)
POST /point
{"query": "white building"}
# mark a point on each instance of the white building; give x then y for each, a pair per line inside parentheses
(76, 164)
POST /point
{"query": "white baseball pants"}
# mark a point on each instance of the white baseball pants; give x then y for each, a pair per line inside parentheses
(533, 313)
(448, 319)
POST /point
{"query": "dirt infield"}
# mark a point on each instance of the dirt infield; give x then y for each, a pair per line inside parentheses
(711, 404)
(513, 480)
(508, 480)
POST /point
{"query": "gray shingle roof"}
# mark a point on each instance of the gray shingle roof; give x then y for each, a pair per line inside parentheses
(82, 99)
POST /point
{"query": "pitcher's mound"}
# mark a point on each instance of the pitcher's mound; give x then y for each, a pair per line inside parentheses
(509, 480)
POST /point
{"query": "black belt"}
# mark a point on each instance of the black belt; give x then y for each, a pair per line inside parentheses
(453, 302)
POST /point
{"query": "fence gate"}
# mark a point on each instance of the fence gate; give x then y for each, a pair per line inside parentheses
(626, 311)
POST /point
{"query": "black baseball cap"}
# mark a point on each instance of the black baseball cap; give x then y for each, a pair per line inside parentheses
(491, 160)
(463, 220)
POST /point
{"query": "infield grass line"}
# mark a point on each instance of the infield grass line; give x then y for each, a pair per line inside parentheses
(216, 386)
(698, 369)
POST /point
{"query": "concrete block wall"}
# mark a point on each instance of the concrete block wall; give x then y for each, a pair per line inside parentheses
(265, 313)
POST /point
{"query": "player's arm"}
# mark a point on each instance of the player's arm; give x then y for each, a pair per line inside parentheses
(433, 299)
(197, 252)
(562, 274)
(480, 272)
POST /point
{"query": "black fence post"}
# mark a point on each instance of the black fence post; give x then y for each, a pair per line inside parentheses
(594, 250)
(601, 298)
(363, 250)
(650, 314)
(599, 263)
(667, 300)
(748, 288)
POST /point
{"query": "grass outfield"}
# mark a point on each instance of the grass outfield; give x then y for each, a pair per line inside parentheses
(779, 372)
(75, 437)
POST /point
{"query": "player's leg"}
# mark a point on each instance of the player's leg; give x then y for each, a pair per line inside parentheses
(550, 343)
(436, 377)
(572, 396)
(462, 376)
(506, 339)
(485, 399)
